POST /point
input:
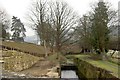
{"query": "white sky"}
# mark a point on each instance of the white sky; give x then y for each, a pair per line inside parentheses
(19, 8)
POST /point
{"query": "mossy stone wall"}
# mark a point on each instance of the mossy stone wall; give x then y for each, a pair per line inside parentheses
(89, 71)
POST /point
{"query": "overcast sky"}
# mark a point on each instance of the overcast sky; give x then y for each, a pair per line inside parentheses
(19, 8)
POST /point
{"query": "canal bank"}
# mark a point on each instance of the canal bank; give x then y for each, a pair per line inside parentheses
(89, 69)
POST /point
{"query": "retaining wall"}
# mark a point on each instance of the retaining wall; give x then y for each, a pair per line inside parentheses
(89, 71)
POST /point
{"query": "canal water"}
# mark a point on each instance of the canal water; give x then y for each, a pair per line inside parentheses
(69, 75)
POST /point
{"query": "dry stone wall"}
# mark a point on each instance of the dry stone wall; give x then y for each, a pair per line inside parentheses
(19, 61)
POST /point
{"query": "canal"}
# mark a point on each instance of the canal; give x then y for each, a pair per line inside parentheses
(69, 75)
(68, 72)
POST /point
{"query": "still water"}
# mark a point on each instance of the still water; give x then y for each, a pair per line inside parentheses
(69, 75)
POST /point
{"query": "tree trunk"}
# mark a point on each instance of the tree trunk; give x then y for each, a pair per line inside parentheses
(45, 48)
(58, 46)
(103, 55)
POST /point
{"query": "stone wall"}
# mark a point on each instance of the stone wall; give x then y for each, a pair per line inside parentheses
(18, 61)
(87, 70)
(18, 66)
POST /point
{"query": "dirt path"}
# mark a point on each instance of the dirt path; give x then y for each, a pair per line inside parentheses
(39, 69)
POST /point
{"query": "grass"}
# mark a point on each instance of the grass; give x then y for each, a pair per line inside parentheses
(114, 60)
(109, 66)
(54, 58)
(25, 47)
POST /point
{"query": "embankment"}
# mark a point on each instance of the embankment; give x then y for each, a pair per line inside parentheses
(90, 71)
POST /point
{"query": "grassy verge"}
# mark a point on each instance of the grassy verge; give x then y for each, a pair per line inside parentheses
(107, 65)
(25, 47)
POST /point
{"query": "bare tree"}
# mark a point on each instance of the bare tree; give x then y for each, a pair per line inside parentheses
(53, 22)
(63, 19)
(4, 17)
(5, 22)
(82, 33)
(38, 17)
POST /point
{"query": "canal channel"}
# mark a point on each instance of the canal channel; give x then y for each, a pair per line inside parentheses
(69, 72)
